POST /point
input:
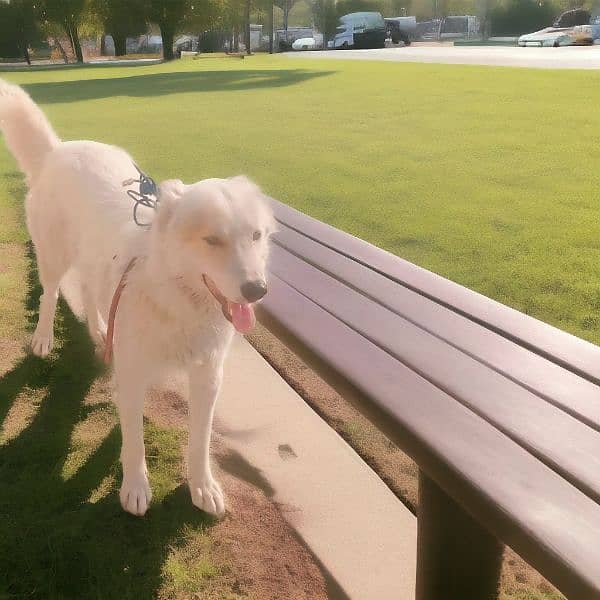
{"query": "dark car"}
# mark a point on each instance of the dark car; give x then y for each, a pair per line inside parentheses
(360, 30)
(396, 33)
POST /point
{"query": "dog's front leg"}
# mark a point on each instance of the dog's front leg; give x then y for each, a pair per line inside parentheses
(130, 394)
(205, 381)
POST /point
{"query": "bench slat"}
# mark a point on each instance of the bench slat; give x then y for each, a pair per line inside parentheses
(525, 417)
(525, 503)
(556, 345)
(576, 395)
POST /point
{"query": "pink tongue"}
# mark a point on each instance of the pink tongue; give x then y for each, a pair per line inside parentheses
(242, 316)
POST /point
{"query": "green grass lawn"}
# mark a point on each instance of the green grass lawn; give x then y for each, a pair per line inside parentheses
(488, 176)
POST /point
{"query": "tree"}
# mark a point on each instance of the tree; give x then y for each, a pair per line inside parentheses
(401, 8)
(233, 16)
(69, 14)
(521, 16)
(484, 17)
(325, 17)
(285, 6)
(18, 28)
(343, 7)
(247, 38)
(121, 19)
(169, 15)
(207, 15)
(210, 19)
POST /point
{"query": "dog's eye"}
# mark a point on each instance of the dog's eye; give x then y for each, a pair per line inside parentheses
(256, 236)
(213, 240)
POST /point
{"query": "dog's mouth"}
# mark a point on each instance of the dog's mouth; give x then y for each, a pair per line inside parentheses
(240, 315)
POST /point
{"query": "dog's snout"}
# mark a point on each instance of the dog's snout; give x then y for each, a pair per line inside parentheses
(254, 290)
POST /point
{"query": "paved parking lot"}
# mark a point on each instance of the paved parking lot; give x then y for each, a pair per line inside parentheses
(501, 56)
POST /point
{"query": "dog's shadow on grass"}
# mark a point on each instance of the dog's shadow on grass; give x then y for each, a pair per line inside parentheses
(55, 542)
(159, 84)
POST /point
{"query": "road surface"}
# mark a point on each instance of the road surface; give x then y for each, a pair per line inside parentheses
(571, 57)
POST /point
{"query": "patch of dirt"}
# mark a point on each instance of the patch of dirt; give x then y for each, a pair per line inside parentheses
(264, 558)
(394, 467)
(10, 352)
(270, 562)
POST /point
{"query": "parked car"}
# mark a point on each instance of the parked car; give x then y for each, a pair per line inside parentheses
(360, 30)
(399, 29)
(457, 27)
(304, 44)
(428, 30)
(571, 28)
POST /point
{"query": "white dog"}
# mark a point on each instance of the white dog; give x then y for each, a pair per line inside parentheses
(185, 279)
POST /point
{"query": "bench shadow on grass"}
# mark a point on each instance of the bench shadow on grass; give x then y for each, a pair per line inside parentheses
(54, 543)
(160, 84)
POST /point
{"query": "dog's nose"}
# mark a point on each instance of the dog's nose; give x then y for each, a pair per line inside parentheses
(254, 290)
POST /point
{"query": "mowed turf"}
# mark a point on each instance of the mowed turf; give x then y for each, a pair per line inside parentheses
(488, 176)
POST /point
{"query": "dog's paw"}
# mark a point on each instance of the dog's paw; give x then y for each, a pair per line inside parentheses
(135, 495)
(42, 342)
(207, 496)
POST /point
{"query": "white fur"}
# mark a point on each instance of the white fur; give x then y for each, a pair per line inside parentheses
(80, 220)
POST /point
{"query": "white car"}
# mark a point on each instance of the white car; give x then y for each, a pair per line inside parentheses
(304, 44)
(580, 35)
(572, 28)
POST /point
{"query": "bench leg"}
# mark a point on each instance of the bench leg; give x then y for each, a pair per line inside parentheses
(456, 557)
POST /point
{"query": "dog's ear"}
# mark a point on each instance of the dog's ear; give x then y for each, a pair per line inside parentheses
(169, 194)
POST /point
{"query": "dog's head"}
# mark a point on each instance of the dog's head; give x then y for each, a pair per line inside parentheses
(215, 233)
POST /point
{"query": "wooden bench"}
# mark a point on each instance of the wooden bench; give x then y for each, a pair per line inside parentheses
(500, 411)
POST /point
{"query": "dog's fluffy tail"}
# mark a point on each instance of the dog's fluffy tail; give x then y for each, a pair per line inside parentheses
(27, 131)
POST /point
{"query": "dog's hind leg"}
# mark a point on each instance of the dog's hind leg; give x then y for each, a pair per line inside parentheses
(130, 393)
(50, 274)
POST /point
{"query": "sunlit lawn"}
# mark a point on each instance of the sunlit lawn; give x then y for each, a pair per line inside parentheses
(488, 176)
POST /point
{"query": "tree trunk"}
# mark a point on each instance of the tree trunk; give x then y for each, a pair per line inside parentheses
(286, 16)
(78, 52)
(271, 22)
(167, 35)
(120, 44)
(61, 50)
(103, 45)
(71, 30)
(247, 28)
(26, 54)
(23, 46)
